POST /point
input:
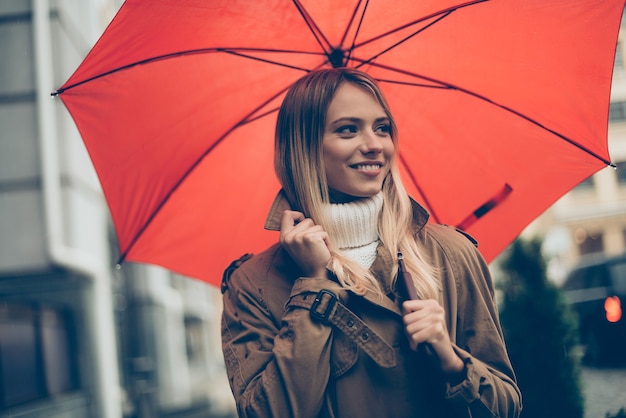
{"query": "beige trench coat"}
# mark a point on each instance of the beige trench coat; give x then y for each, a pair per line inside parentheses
(283, 362)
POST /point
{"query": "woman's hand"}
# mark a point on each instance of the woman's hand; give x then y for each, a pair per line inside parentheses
(424, 322)
(306, 243)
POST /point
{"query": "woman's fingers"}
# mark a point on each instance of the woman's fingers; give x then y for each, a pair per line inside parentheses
(306, 242)
(424, 321)
(290, 219)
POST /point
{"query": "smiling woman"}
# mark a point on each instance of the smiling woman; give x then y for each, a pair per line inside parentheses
(320, 325)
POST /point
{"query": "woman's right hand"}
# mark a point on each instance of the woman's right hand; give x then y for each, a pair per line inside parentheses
(306, 243)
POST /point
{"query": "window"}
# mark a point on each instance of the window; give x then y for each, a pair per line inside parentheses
(20, 377)
(621, 172)
(617, 112)
(575, 281)
(56, 350)
(586, 184)
(37, 354)
(618, 273)
(592, 243)
(194, 339)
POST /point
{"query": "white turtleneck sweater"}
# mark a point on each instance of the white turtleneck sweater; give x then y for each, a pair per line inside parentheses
(357, 226)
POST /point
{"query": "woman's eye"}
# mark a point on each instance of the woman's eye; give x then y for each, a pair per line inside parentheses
(347, 129)
(385, 129)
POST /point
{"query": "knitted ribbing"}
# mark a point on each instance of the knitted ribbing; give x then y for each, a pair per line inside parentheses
(356, 224)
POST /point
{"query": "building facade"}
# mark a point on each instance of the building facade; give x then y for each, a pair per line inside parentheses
(78, 336)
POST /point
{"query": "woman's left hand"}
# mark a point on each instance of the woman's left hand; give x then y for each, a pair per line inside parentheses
(424, 322)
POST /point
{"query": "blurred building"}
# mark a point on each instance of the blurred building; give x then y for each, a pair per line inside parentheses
(591, 218)
(78, 337)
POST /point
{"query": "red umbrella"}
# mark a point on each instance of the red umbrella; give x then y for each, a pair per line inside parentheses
(502, 107)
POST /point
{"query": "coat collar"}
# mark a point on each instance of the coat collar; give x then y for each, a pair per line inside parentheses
(280, 204)
(383, 261)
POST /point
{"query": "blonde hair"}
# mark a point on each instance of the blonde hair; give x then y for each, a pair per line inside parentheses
(299, 165)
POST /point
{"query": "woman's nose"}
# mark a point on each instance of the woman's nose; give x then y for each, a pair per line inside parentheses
(372, 143)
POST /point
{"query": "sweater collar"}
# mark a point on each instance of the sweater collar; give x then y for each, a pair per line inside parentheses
(281, 204)
(356, 222)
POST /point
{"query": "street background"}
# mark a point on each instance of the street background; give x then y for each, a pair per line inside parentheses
(95, 340)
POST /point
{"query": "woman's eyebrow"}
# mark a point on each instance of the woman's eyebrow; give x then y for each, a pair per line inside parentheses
(346, 119)
(353, 119)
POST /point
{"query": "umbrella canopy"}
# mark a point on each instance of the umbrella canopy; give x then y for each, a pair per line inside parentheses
(502, 107)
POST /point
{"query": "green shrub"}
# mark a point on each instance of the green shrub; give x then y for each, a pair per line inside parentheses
(541, 335)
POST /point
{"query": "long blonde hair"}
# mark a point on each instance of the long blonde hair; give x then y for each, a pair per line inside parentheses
(299, 165)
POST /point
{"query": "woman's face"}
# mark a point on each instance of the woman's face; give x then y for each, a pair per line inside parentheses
(357, 144)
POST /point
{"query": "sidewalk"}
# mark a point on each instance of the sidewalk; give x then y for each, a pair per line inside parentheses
(604, 390)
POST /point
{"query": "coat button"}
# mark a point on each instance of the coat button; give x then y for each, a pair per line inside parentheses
(365, 336)
(350, 323)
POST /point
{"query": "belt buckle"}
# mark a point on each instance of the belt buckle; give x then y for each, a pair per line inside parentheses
(323, 316)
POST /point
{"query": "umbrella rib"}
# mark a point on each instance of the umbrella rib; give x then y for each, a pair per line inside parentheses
(358, 29)
(265, 60)
(250, 119)
(233, 51)
(315, 30)
(444, 12)
(406, 83)
(369, 60)
(413, 179)
(246, 119)
(449, 86)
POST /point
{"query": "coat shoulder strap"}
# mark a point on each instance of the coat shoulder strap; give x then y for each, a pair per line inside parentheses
(326, 307)
(231, 268)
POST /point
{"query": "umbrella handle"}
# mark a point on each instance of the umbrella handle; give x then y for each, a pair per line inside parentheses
(406, 280)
